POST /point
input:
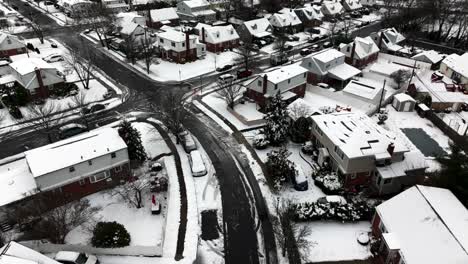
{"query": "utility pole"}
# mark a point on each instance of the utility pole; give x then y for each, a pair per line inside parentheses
(412, 74)
(382, 94)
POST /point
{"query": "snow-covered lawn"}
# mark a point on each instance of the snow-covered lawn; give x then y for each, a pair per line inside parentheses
(151, 139)
(335, 241)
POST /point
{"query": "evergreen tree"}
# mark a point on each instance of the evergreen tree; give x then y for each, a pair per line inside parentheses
(453, 172)
(300, 130)
(280, 168)
(132, 138)
(277, 124)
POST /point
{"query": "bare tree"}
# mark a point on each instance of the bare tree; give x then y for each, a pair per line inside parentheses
(102, 21)
(280, 42)
(172, 111)
(400, 77)
(246, 55)
(148, 52)
(83, 66)
(230, 92)
(80, 103)
(132, 191)
(131, 48)
(298, 110)
(44, 118)
(37, 28)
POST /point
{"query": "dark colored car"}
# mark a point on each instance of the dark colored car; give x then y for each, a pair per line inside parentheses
(243, 74)
(314, 30)
(94, 108)
(305, 52)
(26, 4)
(288, 47)
(365, 11)
(15, 112)
(355, 14)
(226, 67)
(71, 130)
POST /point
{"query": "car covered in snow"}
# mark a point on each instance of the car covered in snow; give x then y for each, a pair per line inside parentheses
(71, 130)
(300, 180)
(187, 141)
(72, 257)
(337, 199)
(197, 165)
(53, 58)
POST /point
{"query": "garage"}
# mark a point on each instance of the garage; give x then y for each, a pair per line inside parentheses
(403, 103)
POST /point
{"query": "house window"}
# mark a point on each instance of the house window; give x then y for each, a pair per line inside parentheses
(118, 169)
(259, 83)
(113, 155)
(305, 74)
(90, 162)
(276, 86)
(289, 81)
(348, 49)
(99, 176)
(173, 44)
(82, 182)
(379, 179)
(310, 64)
(71, 169)
(339, 152)
(387, 181)
(161, 40)
(9, 41)
(183, 44)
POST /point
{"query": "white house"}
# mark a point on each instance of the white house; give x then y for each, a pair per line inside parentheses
(351, 5)
(455, 67)
(388, 39)
(116, 5)
(310, 15)
(255, 29)
(35, 75)
(422, 225)
(196, 9)
(131, 26)
(366, 155)
(289, 81)
(14, 253)
(360, 52)
(430, 56)
(332, 8)
(287, 21)
(218, 38)
(179, 46)
(327, 65)
(163, 17)
(75, 8)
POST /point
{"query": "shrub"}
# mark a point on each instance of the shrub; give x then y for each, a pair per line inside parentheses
(260, 142)
(30, 46)
(300, 130)
(63, 89)
(110, 235)
(351, 211)
(329, 182)
(280, 168)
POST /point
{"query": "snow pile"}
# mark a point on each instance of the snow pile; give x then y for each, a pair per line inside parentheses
(329, 182)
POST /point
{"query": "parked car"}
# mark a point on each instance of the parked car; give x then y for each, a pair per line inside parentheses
(327, 44)
(26, 4)
(71, 130)
(93, 108)
(87, 31)
(365, 11)
(314, 30)
(347, 17)
(314, 47)
(224, 68)
(72, 257)
(187, 141)
(313, 39)
(332, 199)
(155, 205)
(15, 112)
(305, 52)
(293, 38)
(300, 180)
(243, 74)
(53, 44)
(108, 94)
(49, 3)
(226, 78)
(197, 165)
(53, 58)
(355, 14)
(288, 47)
(323, 85)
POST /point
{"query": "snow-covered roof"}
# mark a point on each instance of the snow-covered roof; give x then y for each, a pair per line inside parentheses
(331, 8)
(284, 73)
(15, 42)
(67, 255)
(431, 56)
(368, 91)
(457, 63)
(390, 38)
(27, 65)
(402, 97)
(259, 27)
(174, 35)
(351, 5)
(217, 34)
(196, 3)
(414, 160)
(343, 72)
(310, 12)
(286, 19)
(364, 47)
(437, 90)
(327, 55)
(158, 15)
(357, 135)
(14, 253)
(430, 225)
(69, 152)
(16, 181)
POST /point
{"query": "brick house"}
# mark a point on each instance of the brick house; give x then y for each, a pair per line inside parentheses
(360, 52)
(351, 5)
(179, 46)
(11, 45)
(364, 154)
(217, 38)
(310, 15)
(199, 10)
(289, 80)
(421, 225)
(328, 66)
(286, 21)
(156, 18)
(71, 168)
(256, 29)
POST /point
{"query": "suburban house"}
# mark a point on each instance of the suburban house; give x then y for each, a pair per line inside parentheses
(331, 8)
(421, 225)
(256, 29)
(116, 5)
(179, 46)
(35, 75)
(455, 67)
(310, 15)
(289, 81)
(351, 5)
(366, 155)
(360, 52)
(328, 66)
(430, 56)
(156, 18)
(286, 22)
(131, 27)
(82, 165)
(218, 38)
(74, 8)
(388, 39)
(11, 45)
(14, 253)
(199, 10)
(127, 17)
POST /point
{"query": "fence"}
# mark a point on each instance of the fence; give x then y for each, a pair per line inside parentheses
(461, 141)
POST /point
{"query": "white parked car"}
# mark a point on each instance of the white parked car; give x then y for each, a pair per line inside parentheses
(53, 58)
(226, 78)
(197, 164)
(71, 257)
(338, 199)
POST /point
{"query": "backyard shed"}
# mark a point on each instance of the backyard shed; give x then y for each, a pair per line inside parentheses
(403, 103)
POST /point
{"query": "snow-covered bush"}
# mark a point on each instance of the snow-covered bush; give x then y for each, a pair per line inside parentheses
(276, 121)
(260, 142)
(327, 109)
(351, 211)
(328, 181)
(280, 168)
(300, 130)
(308, 148)
(110, 235)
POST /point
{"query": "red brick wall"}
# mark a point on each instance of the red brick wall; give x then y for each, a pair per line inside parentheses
(314, 79)
(375, 225)
(299, 90)
(12, 52)
(220, 47)
(360, 179)
(182, 56)
(256, 96)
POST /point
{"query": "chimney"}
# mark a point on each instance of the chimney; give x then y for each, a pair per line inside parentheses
(391, 148)
(203, 34)
(149, 23)
(42, 89)
(265, 83)
(380, 40)
(353, 50)
(187, 44)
